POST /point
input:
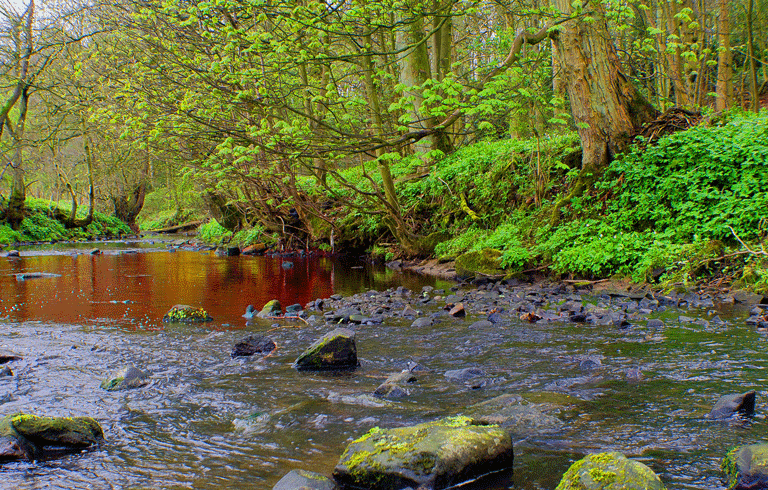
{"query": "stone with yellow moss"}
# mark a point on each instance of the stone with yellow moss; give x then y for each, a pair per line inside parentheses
(609, 471)
(435, 455)
(483, 263)
(27, 437)
(186, 314)
(746, 467)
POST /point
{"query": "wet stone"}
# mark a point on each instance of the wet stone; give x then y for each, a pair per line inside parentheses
(253, 344)
(304, 480)
(729, 405)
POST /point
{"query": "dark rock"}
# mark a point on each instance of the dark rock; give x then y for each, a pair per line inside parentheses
(287, 265)
(186, 314)
(728, 405)
(23, 276)
(293, 309)
(304, 480)
(12, 253)
(342, 315)
(253, 344)
(6, 371)
(746, 467)
(495, 317)
(335, 350)
(94, 251)
(395, 265)
(127, 378)
(26, 436)
(233, 251)
(6, 357)
(609, 471)
(434, 455)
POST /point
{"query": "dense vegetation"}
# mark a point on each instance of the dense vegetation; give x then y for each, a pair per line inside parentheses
(399, 128)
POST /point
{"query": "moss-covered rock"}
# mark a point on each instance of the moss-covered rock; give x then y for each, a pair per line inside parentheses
(746, 467)
(186, 314)
(272, 308)
(126, 378)
(609, 471)
(24, 436)
(486, 262)
(334, 350)
(436, 455)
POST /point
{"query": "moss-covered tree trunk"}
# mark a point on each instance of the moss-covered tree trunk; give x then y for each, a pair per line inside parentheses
(724, 88)
(606, 106)
(128, 206)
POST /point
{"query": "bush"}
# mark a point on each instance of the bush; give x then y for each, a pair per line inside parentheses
(213, 233)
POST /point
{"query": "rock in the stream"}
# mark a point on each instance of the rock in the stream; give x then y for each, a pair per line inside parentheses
(304, 480)
(727, 405)
(434, 455)
(127, 378)
(510, 413)
(393, 386)
(8, 357)
(186, 314)
(25, 436)
(746, 467)
(609, 471)
(272, 308)
(334, 350)
(253, 344)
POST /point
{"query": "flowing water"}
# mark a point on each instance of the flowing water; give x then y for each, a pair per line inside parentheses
(210, 421)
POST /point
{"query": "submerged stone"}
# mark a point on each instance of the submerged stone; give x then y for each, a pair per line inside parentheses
(509, 412)
(609, 471)
(186, 314)
(746, 467)
(127, 378)
(434, 455)
(25, 436)
(304, 480)
(334, 350)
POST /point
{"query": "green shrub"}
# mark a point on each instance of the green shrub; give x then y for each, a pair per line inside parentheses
(212, 232)
(8, 235)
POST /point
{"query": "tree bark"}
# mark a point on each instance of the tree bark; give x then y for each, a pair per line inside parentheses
(606, 107)
(724, 88)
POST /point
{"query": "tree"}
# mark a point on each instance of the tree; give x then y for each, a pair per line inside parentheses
(606, 107)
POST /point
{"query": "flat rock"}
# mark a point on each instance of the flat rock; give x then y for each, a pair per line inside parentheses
(509, 412)
(304, 480)
(434, 455)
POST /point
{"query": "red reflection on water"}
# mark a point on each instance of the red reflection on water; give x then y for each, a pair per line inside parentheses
(137, 289)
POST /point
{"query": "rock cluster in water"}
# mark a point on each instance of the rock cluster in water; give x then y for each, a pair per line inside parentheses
(186, 314)
(434, 455)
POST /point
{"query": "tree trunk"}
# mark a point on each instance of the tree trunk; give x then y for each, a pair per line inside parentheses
(606, 107)
(724, 88)
(127, 207)
(753, 88)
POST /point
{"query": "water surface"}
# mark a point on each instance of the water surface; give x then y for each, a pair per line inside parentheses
(208, 421)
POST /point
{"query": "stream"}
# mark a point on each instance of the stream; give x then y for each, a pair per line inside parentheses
(208, 421)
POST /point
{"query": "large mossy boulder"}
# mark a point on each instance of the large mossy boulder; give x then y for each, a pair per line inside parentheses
(186, 314)
(335, 350)
(746, 467)
(272, 308)
(486, 262)
(609, 471)
(24, 436)
(433, 455)
(125, 379)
